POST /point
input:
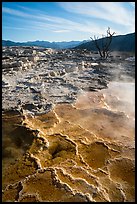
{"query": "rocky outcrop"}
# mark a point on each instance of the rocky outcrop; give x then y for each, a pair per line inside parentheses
(56, 75)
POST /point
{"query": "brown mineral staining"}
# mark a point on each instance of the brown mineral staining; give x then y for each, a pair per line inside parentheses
(123, 170)
(81, 172)
(129, 193)
(95, 155)
(12, 193)
(20, 170)
(77, 184)
(75, 132)
(74, 153)
(45, 185)
(29, 198)
(16, 137)
(102, 122)
(59, 148)
(48, 120)
(16, 141)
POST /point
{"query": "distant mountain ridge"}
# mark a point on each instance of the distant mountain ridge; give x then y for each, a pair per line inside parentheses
(46, 44)
(119, 43)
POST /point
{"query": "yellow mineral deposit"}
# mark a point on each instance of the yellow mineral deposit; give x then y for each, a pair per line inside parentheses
(77, 152)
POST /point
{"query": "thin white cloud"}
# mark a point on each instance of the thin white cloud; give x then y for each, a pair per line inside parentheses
(16, 28)
(61, 31)
(41, 16)
(26, 9)
(57, 22)
(111, 11)
(30, 28)
(14, 12)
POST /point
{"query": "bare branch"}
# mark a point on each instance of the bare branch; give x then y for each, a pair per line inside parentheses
(105, 43)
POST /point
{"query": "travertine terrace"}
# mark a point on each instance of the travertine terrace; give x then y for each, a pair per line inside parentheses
(68, 126)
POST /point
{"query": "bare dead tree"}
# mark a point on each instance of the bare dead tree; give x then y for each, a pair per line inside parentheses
(104, 46)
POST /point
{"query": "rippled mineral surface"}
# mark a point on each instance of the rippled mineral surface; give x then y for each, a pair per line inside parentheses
(77, 152)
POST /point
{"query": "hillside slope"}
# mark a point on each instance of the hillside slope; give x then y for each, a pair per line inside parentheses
(119, 43)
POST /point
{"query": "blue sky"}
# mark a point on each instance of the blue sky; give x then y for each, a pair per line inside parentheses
(65, 21)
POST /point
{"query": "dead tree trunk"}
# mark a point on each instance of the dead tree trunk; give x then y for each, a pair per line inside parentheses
(104, 46)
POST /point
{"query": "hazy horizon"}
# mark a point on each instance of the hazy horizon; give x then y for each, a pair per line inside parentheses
(53, 41)
(65, 21)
